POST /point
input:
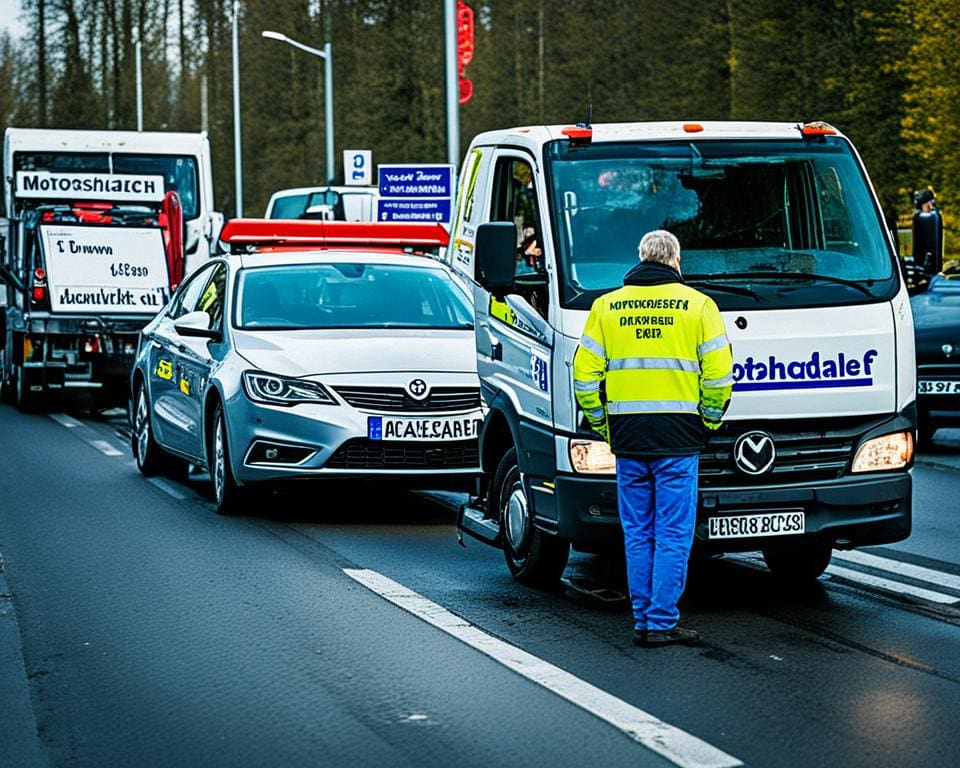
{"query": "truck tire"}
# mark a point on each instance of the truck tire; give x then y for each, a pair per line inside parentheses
(803, 562)
(535, 558)
(228, 496)
(150, 457)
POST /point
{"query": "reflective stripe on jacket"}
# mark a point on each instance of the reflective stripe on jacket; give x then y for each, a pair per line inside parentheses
(656, 349)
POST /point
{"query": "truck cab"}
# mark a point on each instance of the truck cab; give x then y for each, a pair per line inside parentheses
(779, 224)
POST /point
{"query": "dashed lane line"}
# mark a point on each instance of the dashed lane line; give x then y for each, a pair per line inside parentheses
(167, 488)
(900, 568)
(677, 746)
(85, 433)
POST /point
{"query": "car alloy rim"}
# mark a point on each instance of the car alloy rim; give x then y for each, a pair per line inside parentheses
(218, 464)
(516, 517)
(143, 427)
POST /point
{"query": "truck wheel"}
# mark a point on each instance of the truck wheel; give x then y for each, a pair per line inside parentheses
(799, 563)
(535, 558)
(228, 496)
(150, 457)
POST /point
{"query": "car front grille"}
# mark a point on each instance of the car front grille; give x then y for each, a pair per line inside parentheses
(802, 456)
(361, 453)
(439, 399)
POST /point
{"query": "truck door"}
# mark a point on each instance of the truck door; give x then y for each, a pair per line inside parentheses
(515, 340)
(171, 423)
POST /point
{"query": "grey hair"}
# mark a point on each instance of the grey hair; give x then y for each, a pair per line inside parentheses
(660, 246)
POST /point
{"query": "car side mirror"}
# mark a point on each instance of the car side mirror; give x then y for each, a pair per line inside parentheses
(496, 254)
(196, 325)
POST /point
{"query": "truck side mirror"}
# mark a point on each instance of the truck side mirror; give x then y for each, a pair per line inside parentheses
(496, 255)
(928, 242)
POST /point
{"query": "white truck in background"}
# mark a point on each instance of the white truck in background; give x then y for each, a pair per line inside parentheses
(780, 226)
(100, 227)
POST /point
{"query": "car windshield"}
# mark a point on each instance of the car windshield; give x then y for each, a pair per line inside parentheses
(350, 295)
(179, 171)
(761, 224)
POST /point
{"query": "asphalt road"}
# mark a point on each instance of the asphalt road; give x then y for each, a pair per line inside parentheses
(138, 628)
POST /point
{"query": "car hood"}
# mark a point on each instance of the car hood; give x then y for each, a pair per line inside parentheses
(313, 352)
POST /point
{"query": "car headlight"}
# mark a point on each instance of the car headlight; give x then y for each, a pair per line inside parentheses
(887, 452)
(280, 390)
(592, 457)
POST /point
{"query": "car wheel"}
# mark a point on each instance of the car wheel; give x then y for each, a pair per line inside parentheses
(535, 558)
(227, 494)
(799, 563)
(150, 457)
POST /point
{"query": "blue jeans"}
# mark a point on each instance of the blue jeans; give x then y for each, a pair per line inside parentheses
(658, 511)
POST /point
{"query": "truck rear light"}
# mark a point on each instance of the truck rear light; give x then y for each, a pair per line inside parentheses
(40, 274)
(38, 293)
(32, 349)
(91, 344)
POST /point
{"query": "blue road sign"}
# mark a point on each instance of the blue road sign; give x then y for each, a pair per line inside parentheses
(416, 181)
(413, 209)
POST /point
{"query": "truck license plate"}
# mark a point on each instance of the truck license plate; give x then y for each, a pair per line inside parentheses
(784, 523)
(437, 429)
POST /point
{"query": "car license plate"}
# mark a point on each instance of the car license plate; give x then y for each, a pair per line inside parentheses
(783, 523)
(938, 387)
(437, 429)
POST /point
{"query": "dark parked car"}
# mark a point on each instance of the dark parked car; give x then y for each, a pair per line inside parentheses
(936, 315)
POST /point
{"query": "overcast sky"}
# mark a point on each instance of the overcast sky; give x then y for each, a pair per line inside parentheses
(9, 17)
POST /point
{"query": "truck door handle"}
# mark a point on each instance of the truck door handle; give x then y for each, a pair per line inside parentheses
(496, 351)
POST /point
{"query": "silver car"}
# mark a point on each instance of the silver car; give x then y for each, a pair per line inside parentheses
(274, 366)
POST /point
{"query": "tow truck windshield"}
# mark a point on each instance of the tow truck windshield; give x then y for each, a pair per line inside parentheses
(768, 224)
(179, 172)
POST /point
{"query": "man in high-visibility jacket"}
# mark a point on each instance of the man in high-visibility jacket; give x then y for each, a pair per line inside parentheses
(653, 375)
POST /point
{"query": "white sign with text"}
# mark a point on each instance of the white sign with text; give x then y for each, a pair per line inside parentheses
(120, 188)
(105, 269)
(357, 167)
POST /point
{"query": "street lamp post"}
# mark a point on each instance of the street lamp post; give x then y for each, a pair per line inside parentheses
(327, 55)
(238, 163)
(139, 64)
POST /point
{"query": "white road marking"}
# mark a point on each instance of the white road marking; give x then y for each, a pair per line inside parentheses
(676, 745)
(918, 572)
(64, 420)
(756, 563)
(86, 434)
(892, 586)
(105, 448)
(167, 488)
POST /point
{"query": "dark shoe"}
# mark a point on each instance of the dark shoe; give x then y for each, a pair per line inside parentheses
(676, 636)
(639, 637)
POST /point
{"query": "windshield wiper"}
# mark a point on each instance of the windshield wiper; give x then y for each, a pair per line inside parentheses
(703, 282)
(770, 275)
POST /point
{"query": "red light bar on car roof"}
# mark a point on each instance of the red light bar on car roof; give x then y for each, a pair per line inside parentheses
(239, 233)
(817, 129)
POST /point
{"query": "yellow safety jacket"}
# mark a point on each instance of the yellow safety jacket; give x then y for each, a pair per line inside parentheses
(654, 366)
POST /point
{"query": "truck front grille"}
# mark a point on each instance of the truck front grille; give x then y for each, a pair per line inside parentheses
(803, 455)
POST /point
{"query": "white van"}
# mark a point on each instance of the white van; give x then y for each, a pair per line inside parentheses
(779, 224)
(326, 203)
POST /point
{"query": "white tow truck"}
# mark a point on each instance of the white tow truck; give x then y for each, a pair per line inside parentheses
(779, 224)
(100, 227)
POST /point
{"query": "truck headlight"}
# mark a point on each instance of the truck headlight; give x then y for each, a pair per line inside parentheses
(592, 457)
(280, 390)
(887, 452)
